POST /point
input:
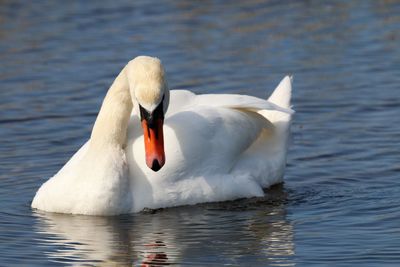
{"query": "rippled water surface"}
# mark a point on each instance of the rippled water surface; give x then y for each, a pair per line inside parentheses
(339, 204)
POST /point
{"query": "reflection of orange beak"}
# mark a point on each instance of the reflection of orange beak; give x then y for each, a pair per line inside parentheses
(154, 144)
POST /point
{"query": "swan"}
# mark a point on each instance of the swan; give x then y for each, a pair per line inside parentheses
(206, 148)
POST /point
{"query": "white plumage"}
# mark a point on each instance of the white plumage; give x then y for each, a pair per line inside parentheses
(217, 147)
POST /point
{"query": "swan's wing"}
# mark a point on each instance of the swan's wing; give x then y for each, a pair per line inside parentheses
(239, 102)
(203, 147)
(184, 100)
(217, 147)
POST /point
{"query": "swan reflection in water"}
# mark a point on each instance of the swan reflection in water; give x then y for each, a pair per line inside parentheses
(242, 231)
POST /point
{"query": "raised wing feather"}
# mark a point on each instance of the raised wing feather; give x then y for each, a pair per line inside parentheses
(239, 102)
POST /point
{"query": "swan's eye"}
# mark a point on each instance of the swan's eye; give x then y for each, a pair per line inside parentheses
(151, 118)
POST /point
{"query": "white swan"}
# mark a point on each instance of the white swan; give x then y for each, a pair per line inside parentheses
(217, 147)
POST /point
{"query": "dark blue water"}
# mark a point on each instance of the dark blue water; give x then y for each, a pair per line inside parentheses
(339, 204)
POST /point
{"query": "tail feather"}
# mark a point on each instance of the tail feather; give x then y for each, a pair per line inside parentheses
(280, 97)
(282, 94)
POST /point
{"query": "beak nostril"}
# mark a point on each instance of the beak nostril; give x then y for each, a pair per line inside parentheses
(156, 165)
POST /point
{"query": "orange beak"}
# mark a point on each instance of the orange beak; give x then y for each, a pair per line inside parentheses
(154, 143)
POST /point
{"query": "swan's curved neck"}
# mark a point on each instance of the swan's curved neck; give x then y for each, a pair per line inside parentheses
(111, 124)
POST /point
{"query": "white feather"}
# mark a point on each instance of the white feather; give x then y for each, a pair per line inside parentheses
(218, 147)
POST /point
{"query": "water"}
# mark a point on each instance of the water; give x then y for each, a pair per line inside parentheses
(339, 204)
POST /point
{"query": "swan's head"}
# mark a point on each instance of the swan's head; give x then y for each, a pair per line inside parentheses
(150, 97)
